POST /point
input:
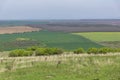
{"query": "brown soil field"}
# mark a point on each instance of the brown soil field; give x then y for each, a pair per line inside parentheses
(17, 29)
(80, 26)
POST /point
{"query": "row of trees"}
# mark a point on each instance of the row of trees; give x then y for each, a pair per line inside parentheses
(55, 51)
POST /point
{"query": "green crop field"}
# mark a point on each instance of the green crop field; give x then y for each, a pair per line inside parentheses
(108, 39)
(101, 36)
(104, 67)
(45, 38)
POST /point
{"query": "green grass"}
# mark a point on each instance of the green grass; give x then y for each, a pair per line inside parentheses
(101, 36)
(50, 39)
(74, 68)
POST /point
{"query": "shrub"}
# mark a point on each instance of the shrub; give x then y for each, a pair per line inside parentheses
(40, 51)
(20, 53)
(92, 50)
(79, 50)
(27, 53)
(103, 50)
(113, 50)
(56, 51)
(48, 51)
(33, 48)
(17, 52)
(117, 50)
(106, 50)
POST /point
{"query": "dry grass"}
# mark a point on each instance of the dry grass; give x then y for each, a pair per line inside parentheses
(12, 63)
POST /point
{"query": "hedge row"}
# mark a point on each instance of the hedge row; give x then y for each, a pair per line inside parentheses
(54, 51)
(97, 50)
(35, 51)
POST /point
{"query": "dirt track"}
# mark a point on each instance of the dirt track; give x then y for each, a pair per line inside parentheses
(17, 29)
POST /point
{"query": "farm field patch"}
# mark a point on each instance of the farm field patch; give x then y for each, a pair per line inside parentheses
(17, 29)
(109, 39)
(101, 36)
(63, 40)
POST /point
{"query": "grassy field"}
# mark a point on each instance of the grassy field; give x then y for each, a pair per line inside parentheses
(109, 39)
(45, 38)
(65, 67)
(101, 36)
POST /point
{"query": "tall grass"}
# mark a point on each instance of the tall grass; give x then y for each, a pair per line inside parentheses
(66, 67)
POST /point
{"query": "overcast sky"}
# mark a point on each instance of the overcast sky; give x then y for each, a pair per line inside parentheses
(59, 9)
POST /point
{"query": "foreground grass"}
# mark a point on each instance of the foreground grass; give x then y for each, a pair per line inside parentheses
(69, 67)
(101, 36)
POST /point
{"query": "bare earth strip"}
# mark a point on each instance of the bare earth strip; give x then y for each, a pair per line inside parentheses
(17, 29)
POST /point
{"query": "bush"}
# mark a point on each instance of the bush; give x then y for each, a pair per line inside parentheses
(27, 53)
(56, 51)
(48, 51)
(92, 50)
(20, 53)
(33, 48)
(106, 50)
(103, 50)
(79, 50)
(40, 51)
(117, 50)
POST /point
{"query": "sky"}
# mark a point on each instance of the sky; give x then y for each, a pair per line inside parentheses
(59, 9)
